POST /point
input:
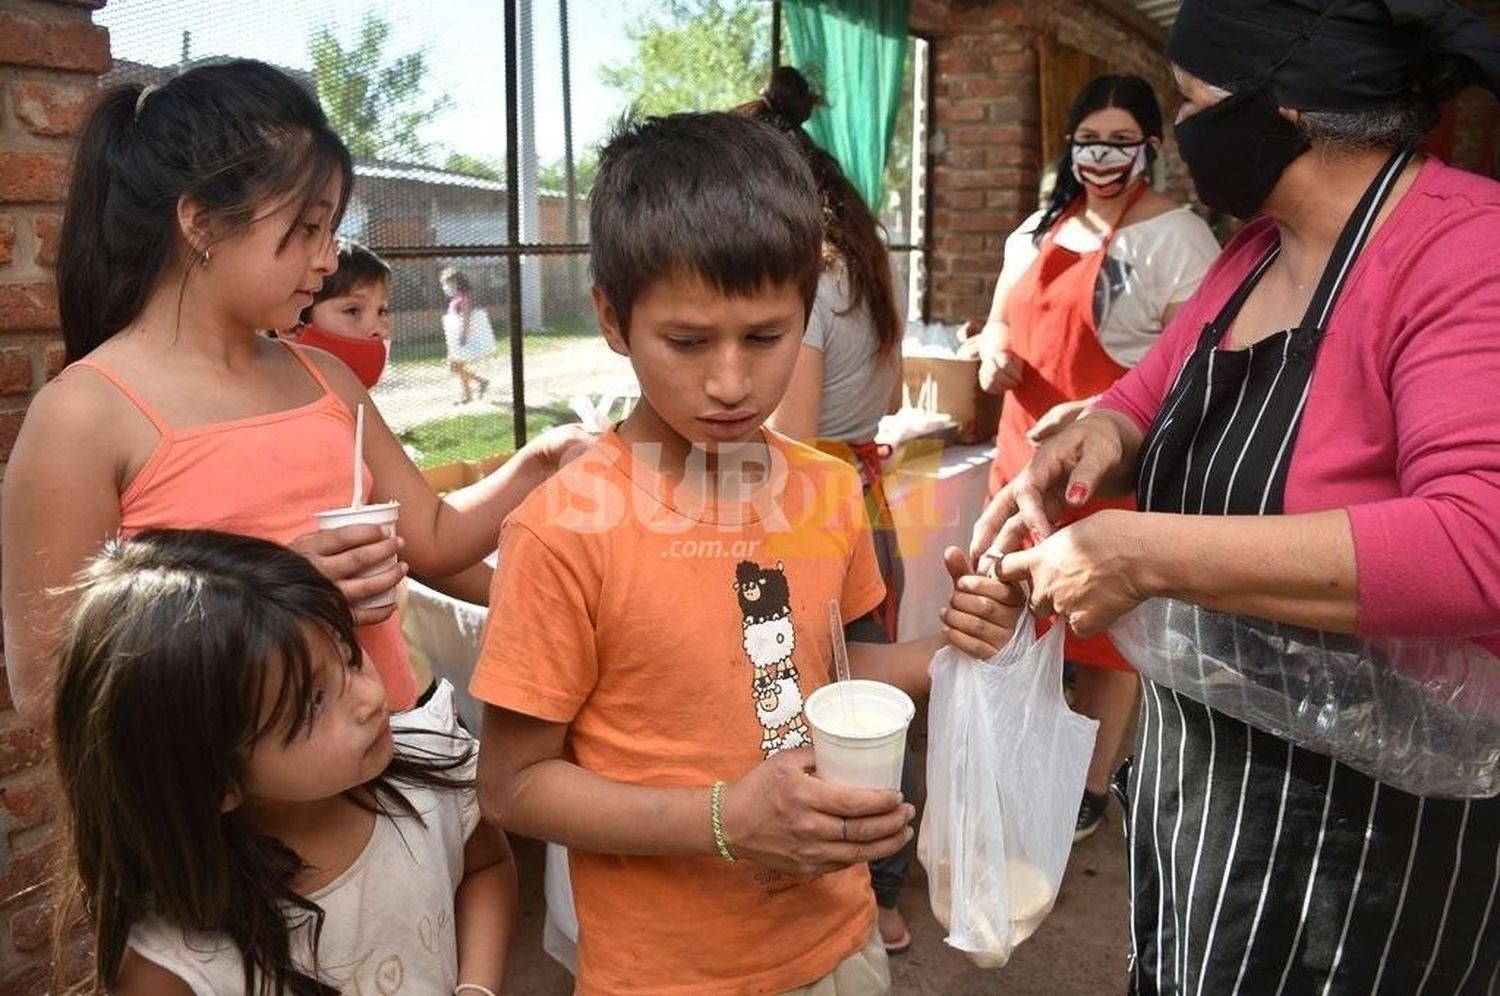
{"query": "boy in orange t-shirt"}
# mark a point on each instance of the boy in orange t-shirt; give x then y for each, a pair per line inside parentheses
(665, 604)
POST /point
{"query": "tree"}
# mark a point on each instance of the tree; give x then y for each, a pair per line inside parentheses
(553, 175)
(695, 55)
(378, 106)
(463, 162)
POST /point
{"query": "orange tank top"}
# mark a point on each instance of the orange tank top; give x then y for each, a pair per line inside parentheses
(266, 476)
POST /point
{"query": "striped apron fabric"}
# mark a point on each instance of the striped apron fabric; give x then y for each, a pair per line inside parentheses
(1256, 866)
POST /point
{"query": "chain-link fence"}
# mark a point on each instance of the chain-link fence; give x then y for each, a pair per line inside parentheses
(475, 126)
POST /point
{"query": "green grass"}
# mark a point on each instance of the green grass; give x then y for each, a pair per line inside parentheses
(429, 348)
(476, 435)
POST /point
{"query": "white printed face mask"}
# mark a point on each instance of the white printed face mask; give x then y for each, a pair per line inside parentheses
(1108, 167)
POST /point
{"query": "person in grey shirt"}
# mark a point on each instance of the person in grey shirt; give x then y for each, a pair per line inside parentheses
(847, 376)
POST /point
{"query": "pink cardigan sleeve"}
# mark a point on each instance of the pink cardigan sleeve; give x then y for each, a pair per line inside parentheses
(1429, 561)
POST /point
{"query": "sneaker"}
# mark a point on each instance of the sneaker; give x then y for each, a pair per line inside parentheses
(1090, 815)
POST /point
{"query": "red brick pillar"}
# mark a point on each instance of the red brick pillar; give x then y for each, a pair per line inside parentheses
(985, 155)
(50, 56)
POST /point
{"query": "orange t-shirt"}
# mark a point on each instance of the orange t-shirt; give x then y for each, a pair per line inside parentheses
(678, 640)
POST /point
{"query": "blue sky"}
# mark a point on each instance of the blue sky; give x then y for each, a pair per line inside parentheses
(464, 41)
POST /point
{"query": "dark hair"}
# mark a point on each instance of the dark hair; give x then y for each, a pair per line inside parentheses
(1129, 93)
(184, 649)
(231, 137)
(458, 279)
(723, 197)
(358, 267)
(850, 229)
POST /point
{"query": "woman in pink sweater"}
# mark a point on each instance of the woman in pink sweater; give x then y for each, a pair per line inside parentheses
(1315, 445)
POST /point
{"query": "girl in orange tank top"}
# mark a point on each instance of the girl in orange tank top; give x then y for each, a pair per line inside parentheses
(200, 212)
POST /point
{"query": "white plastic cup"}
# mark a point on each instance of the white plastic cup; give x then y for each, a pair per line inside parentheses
(859, 732)
(383, 515)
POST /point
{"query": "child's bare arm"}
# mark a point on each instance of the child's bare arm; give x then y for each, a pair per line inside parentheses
(901, 664)
(778, 815)
(484, 908)
(140, 976)
(471, 584)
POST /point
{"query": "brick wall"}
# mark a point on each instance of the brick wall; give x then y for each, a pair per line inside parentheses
(50, 55)
(987, 143)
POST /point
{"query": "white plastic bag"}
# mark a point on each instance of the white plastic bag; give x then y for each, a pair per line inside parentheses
(1006, 763)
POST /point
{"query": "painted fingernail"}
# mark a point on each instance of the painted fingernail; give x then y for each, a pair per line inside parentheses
(1077, 493)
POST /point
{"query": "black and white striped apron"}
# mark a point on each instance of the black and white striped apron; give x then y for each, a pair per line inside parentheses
(1258, 867)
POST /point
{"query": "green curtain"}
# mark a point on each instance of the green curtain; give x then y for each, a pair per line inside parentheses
(856, 49)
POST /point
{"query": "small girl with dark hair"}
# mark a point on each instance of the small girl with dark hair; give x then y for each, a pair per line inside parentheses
(350, 315)
(242, 814)
(200, 214)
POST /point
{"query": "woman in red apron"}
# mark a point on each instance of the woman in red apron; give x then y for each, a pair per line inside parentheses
(1086, 287)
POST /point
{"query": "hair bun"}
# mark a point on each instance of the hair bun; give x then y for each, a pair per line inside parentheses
(790, 96)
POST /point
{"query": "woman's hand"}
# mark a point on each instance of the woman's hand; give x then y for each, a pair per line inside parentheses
(1058, 418)
(1000, 370)
(981, 615)
(1087, 574)
(1065, 471)
(782, 816)
(342, 554)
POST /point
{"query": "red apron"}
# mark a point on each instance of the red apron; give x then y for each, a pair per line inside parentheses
(1050, 314)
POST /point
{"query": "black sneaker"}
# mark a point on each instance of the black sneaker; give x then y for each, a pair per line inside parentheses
(1090, 815)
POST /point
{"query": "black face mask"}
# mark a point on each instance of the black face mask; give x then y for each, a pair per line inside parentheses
(1237, 149)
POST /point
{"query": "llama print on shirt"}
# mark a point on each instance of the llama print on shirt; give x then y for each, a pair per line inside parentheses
(769, 639)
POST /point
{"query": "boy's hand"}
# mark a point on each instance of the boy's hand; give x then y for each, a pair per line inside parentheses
(782, 816)
(982, 613)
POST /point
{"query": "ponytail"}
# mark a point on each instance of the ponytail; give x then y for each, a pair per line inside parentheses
(850, 229)
(99, 290)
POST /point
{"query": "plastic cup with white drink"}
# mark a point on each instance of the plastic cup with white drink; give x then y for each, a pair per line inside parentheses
(859, 732)
(357, 513)
(859, 726)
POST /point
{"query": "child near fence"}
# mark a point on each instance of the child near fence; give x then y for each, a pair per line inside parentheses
(350, 315)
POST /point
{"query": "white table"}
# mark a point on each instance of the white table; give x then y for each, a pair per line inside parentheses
(934, 501)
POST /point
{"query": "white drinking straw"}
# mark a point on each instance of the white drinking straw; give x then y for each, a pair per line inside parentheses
(359, 462)
(840, 652)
